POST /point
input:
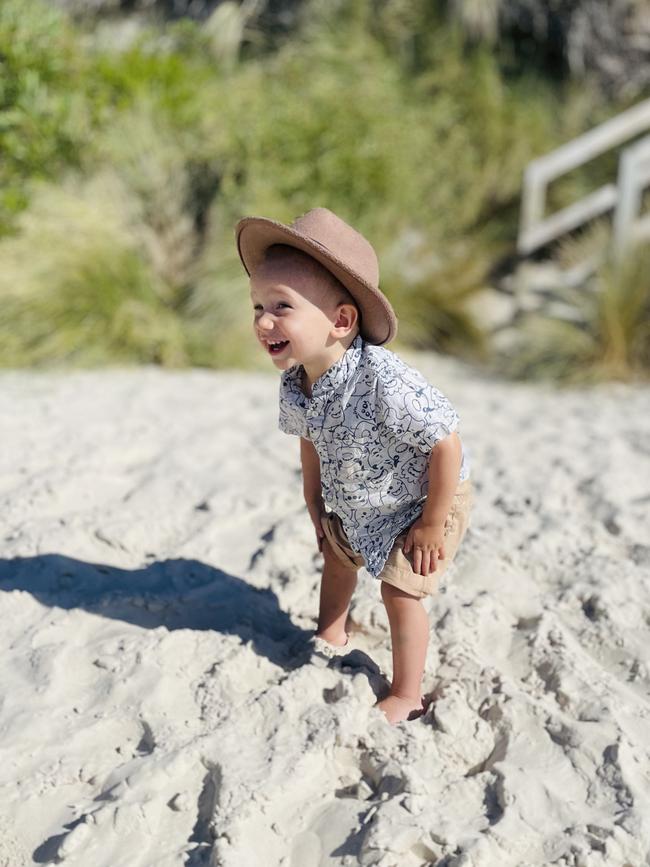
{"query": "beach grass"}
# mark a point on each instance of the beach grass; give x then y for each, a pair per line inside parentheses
(609, 341)
(130, 159)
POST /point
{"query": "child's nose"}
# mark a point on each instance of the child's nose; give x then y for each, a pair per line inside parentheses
(265, 321)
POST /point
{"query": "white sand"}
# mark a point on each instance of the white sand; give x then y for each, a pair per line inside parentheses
(159, 572)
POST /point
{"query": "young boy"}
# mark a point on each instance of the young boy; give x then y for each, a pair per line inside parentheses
(385, 477)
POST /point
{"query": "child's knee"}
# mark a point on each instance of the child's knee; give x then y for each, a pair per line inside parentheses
(335, 561)
(389, 593)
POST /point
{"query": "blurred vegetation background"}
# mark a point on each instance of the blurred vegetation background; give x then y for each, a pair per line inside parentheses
(133, 136)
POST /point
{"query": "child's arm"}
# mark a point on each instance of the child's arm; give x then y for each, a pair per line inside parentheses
(426, 536)
(444, 471)
(311, 486)
(417, 413)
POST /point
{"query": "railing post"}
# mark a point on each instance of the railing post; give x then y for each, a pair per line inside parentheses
(633, 177)
(535, 229)
(533, 199)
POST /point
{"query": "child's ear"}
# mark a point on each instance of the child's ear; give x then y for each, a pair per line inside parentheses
(347, 316)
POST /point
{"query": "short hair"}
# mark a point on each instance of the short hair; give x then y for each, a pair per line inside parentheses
(286, 253)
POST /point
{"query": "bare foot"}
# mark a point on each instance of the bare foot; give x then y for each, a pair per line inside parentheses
(398, 708)
(338, 641)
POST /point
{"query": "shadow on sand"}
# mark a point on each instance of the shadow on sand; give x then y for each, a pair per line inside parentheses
(176, 594)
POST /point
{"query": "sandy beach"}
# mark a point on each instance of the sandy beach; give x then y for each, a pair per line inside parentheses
(158, 579)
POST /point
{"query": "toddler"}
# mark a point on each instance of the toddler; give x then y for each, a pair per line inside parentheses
(385, 477)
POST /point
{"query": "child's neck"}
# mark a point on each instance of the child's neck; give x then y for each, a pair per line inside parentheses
(310, 377)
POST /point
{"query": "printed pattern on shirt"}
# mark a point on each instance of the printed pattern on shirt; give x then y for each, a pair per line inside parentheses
(411, 408)
(292, 419)
(373, 420)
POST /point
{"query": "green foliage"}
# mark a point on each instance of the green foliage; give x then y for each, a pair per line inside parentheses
(623, 314)
(430, 292)
(75, 288)
(44, 113)
(611, 342)
(350, 139)
(380, 111)
(173, 71)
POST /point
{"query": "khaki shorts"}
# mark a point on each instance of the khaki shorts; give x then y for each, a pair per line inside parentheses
(398, 569)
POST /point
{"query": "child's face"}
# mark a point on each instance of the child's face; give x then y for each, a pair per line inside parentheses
(295, 309)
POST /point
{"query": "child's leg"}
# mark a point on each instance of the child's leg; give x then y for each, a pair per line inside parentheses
(336, 589)
(409, 632)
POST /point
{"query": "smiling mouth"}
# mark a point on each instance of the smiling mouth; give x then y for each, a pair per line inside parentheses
(276, 348)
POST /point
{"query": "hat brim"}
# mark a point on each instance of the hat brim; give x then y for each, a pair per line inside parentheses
(256, 234)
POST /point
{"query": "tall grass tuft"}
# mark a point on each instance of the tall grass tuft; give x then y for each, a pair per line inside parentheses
(624, 315)
(75, 288)
(611, 342)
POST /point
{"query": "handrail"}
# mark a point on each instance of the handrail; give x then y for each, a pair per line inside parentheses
(535, 229)
(633, 178)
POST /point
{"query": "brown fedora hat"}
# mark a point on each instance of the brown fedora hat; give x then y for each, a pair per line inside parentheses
(339, 248)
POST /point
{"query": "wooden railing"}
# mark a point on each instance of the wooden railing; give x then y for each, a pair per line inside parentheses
(624, 196)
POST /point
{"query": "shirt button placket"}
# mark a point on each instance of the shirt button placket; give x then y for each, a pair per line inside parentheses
(315, 417)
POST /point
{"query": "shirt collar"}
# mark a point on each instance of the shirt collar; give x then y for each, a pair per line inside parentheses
(335, 376)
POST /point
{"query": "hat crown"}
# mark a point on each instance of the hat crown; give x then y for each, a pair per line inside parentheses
(340, 240)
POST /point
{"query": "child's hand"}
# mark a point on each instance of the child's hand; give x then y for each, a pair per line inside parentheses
(315, 510)
(427, 542)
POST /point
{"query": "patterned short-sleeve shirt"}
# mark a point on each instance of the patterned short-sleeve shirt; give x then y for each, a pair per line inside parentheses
(373, 420)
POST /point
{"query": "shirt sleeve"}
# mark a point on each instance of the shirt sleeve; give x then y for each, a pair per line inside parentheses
(291, 419)
(412, 409)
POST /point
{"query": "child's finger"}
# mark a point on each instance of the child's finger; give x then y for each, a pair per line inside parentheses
(429, 562)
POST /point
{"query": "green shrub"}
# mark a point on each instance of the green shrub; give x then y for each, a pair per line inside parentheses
(44, 111)
(75, 288)
(611, 342)
(381, 112)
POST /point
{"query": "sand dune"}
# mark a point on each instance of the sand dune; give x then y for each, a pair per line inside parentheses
(159, 577)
